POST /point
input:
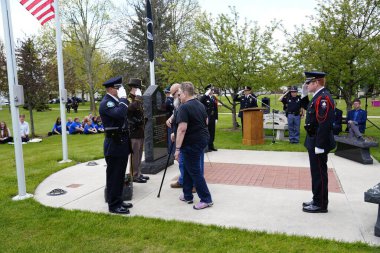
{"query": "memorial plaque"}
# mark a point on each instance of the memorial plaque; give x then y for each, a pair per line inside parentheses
(155, 142)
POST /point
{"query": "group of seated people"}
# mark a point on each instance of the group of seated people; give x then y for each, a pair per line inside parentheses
(5, 133)
(89, 125)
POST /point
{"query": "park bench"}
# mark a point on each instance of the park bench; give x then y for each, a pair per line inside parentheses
(278, 122)
(373, 196)
(354, 150)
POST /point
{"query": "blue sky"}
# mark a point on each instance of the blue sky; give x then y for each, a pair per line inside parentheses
(291, 12)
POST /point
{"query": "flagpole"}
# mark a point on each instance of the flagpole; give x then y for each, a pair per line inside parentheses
(61, 81)
(150, 37)
(12, 83)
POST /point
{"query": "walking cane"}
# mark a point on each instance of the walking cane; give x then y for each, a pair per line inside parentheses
(166, 167)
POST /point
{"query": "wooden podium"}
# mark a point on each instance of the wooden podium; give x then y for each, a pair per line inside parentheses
(253, 133)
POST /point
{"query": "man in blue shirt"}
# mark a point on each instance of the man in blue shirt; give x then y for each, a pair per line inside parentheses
(356, 120)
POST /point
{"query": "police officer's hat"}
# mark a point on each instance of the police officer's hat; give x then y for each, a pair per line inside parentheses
(293, 88)
(134, 82)
(209, 87)
(113, 82)
(247, 88)
(167, 89)
(312, 75)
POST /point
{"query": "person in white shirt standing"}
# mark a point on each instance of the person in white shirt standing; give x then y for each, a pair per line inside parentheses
(24, 128)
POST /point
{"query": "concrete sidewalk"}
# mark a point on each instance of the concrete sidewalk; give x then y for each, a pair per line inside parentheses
(243, 206)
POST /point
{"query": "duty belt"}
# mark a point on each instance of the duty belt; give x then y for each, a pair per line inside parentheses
(294, 113)
(116, 132)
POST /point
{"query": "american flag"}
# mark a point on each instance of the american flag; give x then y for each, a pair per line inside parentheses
(43, 10)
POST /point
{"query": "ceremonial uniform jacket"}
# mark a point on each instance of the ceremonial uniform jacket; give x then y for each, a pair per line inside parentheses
(246, 102)
(319, 121)
(135, 117)
(211, 105)
(293, 104)
(114, 117)
(169, 106)
(361, 118)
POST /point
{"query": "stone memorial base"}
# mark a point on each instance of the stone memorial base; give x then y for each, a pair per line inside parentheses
(373, 196)
(156, 166)
(354, 150)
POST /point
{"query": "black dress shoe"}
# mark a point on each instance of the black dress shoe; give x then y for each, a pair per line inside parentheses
(119, 210)
(144, 177)
(314, 209)
(307, 203)
(213, 149)
(139, 180)
(127, 205)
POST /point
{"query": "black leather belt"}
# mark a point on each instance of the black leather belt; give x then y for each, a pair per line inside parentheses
(294, 113)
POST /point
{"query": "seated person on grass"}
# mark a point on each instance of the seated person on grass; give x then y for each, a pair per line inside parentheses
(24, 128)
(89, 127)
(57, 128)
(5, 134)
(99, 124)
(76, 127)
(68, 124)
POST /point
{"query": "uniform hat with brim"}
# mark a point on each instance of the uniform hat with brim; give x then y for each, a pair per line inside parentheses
(293, 88)
(134, 82)
(113, 82)
(312, 75)
(209, 87)
(247, 88)
(167, 89)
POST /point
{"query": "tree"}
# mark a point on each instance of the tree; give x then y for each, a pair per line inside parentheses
(172, 25)
(344, 42)
(31, 76)
(227, 54)
(86, 23)
(3, 72)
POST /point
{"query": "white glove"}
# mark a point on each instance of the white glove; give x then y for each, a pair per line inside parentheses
(138, 92)
(216, 121)
(305, 91)
(319, 150)
(121, 93)
(208, 92)
(240, 92)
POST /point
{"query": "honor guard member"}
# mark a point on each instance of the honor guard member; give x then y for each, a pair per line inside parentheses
(292, 103)
(247, 100)
(211, 104)
(113, 112)
(320, 139)
(136, 123)
(169, 108)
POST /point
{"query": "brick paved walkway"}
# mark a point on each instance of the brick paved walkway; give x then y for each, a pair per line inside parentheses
(282, 177)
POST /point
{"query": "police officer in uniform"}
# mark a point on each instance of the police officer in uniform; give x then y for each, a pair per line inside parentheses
(292, 103)
(113, 112)
(247, 100)
(211, 104)
(136, 122)
(320, 139)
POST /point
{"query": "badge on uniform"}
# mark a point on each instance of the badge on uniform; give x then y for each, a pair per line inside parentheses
(324, 104)
(110, 104)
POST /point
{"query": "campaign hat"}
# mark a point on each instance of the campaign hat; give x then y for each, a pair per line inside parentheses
(294, 88)
(134, 82)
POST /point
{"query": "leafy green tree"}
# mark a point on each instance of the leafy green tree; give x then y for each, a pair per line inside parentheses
(344, 42)
(31, 76)
(172, 25)
(3, 72)
(229, 55)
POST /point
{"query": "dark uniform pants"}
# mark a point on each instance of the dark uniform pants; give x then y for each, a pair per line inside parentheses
(319, 178)
(211, 130)
(116, 167)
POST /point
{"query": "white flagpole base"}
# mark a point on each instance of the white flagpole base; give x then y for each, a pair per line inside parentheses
(65, 161)
(26, 196)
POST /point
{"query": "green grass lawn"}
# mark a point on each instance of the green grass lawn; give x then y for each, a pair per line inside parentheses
(27, 226)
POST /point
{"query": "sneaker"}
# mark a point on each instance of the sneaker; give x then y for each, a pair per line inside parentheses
(182, 198)
(202, 205)
(175, 185)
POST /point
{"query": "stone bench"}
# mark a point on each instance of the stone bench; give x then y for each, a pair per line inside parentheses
(280, 124)
(373, 196)
(354, 150)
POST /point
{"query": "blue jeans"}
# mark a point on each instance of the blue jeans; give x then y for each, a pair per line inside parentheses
(294, 128)
(180, 162)
(193, 174)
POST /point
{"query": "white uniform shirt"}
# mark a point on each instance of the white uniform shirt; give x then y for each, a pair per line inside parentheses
(24, 128)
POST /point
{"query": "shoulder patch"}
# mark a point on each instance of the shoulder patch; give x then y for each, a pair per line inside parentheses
(110, 104)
